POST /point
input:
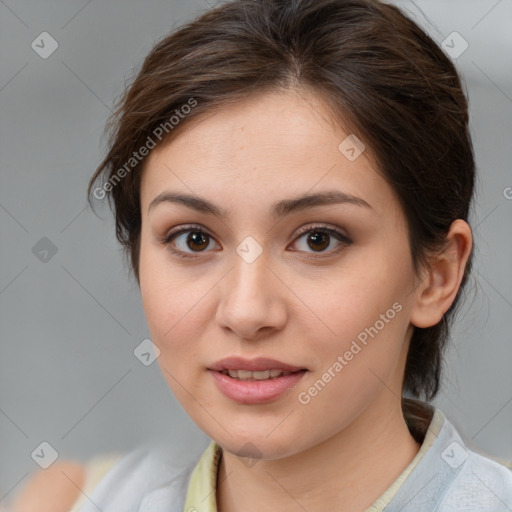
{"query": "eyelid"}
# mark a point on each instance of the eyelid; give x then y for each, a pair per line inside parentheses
(184, 228)
(322, 227)
(331, 231)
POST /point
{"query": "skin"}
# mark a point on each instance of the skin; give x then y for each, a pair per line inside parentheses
(54, 489)
(294, 303)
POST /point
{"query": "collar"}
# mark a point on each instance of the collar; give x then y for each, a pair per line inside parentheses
(424, 476)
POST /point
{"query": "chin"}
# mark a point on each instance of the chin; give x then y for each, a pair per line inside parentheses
(258, 445)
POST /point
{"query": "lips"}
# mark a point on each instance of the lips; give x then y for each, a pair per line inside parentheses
(253, 365)
(257, 375)
(255, 381)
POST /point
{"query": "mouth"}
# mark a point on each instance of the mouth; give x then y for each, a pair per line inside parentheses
(259, 368)
(256, 375)
(255, 381)
(252, 391)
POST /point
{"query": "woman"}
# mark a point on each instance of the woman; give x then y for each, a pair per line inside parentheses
(291, 181)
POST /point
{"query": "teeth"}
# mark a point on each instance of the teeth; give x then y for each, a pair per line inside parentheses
(257, 375)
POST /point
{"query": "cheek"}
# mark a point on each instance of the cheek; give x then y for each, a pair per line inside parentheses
(173, 321)
(360, 324)
(164, 296)
(175, 306)
(356, 364)
(352, 299)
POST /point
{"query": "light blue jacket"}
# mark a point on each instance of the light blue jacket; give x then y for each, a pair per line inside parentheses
(448, 478)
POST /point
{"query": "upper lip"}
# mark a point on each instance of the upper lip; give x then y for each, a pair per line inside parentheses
(254, 365)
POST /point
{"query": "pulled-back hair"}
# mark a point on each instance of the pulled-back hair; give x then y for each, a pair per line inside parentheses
(382, 77)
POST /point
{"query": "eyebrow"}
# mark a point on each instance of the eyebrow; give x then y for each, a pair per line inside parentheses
(278, 209)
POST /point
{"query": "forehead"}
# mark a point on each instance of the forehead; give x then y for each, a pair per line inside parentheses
(263, 149)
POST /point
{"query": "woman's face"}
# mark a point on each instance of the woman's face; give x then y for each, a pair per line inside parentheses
(321, 287)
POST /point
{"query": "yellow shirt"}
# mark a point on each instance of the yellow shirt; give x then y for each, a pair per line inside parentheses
(201, 492)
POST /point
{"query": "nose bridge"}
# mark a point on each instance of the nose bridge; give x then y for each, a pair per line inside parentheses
(250, 299)
(250, 276)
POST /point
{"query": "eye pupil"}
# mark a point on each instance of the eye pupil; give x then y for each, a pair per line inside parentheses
(197, 237)
(323, 238)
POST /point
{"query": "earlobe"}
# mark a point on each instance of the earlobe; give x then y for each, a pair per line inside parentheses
(438, 290)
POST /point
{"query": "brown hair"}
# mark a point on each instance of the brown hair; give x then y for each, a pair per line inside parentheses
(381, 75)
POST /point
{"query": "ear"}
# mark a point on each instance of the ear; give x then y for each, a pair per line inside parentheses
(441, 282)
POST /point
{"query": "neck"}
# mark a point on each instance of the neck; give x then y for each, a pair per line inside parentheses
(354, 467)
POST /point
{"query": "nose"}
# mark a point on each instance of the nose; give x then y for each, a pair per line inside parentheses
(252, 303)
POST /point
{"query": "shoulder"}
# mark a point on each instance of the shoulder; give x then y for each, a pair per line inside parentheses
(482, 484)
(477, 482)
(451, 476)
(150, 477)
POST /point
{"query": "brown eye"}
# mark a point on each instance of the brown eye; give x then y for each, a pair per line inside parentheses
(197, 240)
(188, 240)
(318, 239)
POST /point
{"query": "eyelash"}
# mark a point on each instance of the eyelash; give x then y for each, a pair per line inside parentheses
(321, 228)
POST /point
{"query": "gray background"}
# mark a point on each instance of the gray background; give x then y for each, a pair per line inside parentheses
(69, 325)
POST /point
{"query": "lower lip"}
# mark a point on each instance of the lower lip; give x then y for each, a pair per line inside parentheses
(255, 391)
